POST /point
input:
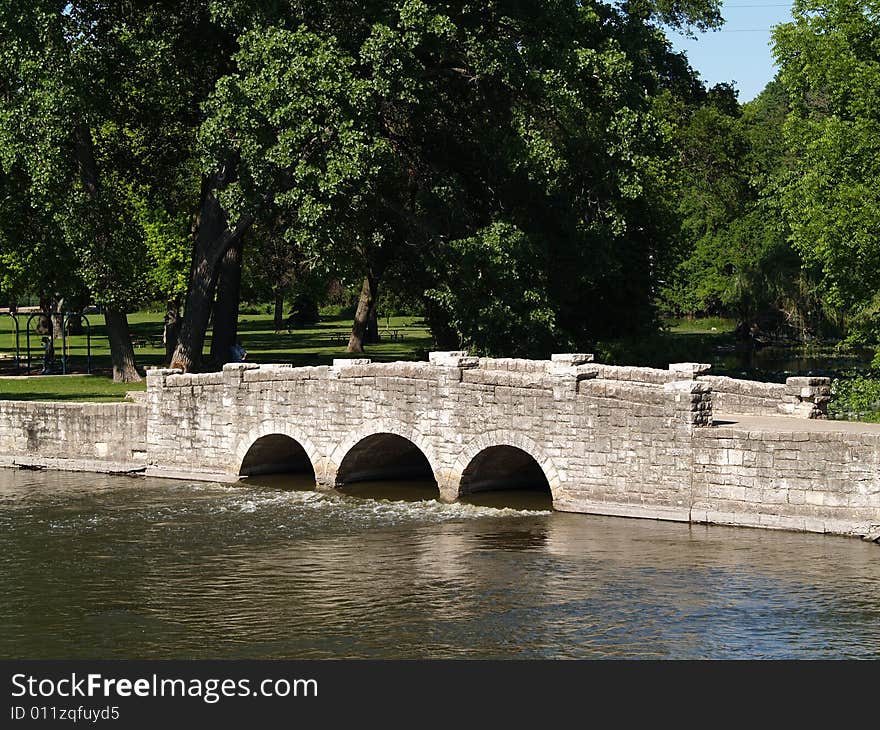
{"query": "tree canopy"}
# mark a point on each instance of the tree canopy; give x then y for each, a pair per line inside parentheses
(829, 59)
(531, 176)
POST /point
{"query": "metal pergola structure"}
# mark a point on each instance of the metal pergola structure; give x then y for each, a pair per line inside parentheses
(66, 318)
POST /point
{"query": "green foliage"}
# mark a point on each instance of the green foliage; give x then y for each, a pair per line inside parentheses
(402, 136)
(505, 307)
(856, 398)
(506, 165)
(829, 59)
(97, 126)
(737, 259)
(168, 240)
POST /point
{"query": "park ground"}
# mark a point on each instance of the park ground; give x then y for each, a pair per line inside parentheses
(402, 338)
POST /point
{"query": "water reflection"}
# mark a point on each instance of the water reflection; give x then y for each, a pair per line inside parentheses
(97, 566)
(777, 363)
(525, 499)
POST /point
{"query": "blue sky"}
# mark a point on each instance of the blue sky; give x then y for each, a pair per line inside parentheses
(740, 51)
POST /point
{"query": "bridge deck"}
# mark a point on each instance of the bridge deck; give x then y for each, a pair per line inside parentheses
(789, 425)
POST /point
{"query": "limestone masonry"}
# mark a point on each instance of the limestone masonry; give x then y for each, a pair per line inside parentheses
(609, 440)
(101, 437)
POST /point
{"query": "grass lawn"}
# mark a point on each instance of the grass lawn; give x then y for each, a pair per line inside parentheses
(403, 338)
(701, 326)
(65, 388)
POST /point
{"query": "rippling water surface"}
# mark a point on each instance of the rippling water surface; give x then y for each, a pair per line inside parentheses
(115, 567)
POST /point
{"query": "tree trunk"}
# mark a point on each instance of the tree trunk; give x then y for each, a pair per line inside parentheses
(225, 334)
(172, 327)
(121, 350)
(278, 319)
(371, 336)
(366, 305)
(44, 321)
(212, 240)
(57, 319)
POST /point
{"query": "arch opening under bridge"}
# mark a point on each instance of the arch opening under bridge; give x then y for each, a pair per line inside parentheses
(505, 476)
(387, 466)
(277, 459)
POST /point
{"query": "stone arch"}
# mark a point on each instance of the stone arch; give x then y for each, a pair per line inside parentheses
(508, 438)
(273, 427)
(376, 428)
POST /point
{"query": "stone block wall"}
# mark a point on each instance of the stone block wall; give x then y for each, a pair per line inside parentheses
(591, 437)
(735, 396)
(76, 436)
(803, 397)
(817, 481)
(631, 448)
(806, 397)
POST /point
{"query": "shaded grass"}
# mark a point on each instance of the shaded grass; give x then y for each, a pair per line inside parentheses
(316, 344)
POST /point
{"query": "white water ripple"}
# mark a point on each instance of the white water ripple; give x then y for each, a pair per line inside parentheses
(379, 510)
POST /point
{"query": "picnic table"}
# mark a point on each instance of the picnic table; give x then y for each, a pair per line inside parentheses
(147, 341)
(338, 338)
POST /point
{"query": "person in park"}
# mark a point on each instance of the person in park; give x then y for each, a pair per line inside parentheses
(48, 357)
(238, 353)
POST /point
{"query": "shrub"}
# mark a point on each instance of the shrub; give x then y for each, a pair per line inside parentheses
(855, 399)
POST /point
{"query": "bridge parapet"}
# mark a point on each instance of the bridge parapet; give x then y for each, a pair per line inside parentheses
(800, 397)
(803, 397)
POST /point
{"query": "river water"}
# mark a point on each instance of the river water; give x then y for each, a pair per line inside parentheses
(117, 567)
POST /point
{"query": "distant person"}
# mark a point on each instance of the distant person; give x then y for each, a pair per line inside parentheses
(239, 354)
(48, 356)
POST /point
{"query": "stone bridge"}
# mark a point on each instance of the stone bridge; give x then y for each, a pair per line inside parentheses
(636, 442)
(675, 444)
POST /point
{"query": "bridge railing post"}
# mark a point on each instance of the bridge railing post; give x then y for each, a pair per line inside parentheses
(567, 369)
(691, 402)
(689, 370)
(806, 397)
(233, 372)
(563, 362)
(233, 377)
(453, 359)
(156, 383)
(156, 376)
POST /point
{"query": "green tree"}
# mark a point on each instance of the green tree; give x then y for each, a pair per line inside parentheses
(387, 128)
(829, 58)
(100, 110)
(51, 110)
(737, 260)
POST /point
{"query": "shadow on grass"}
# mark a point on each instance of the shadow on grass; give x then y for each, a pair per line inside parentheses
(72, 397)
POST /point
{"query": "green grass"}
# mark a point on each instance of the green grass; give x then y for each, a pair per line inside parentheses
(701, 326)
(316, 344)
(65, 388)
(706, 340)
